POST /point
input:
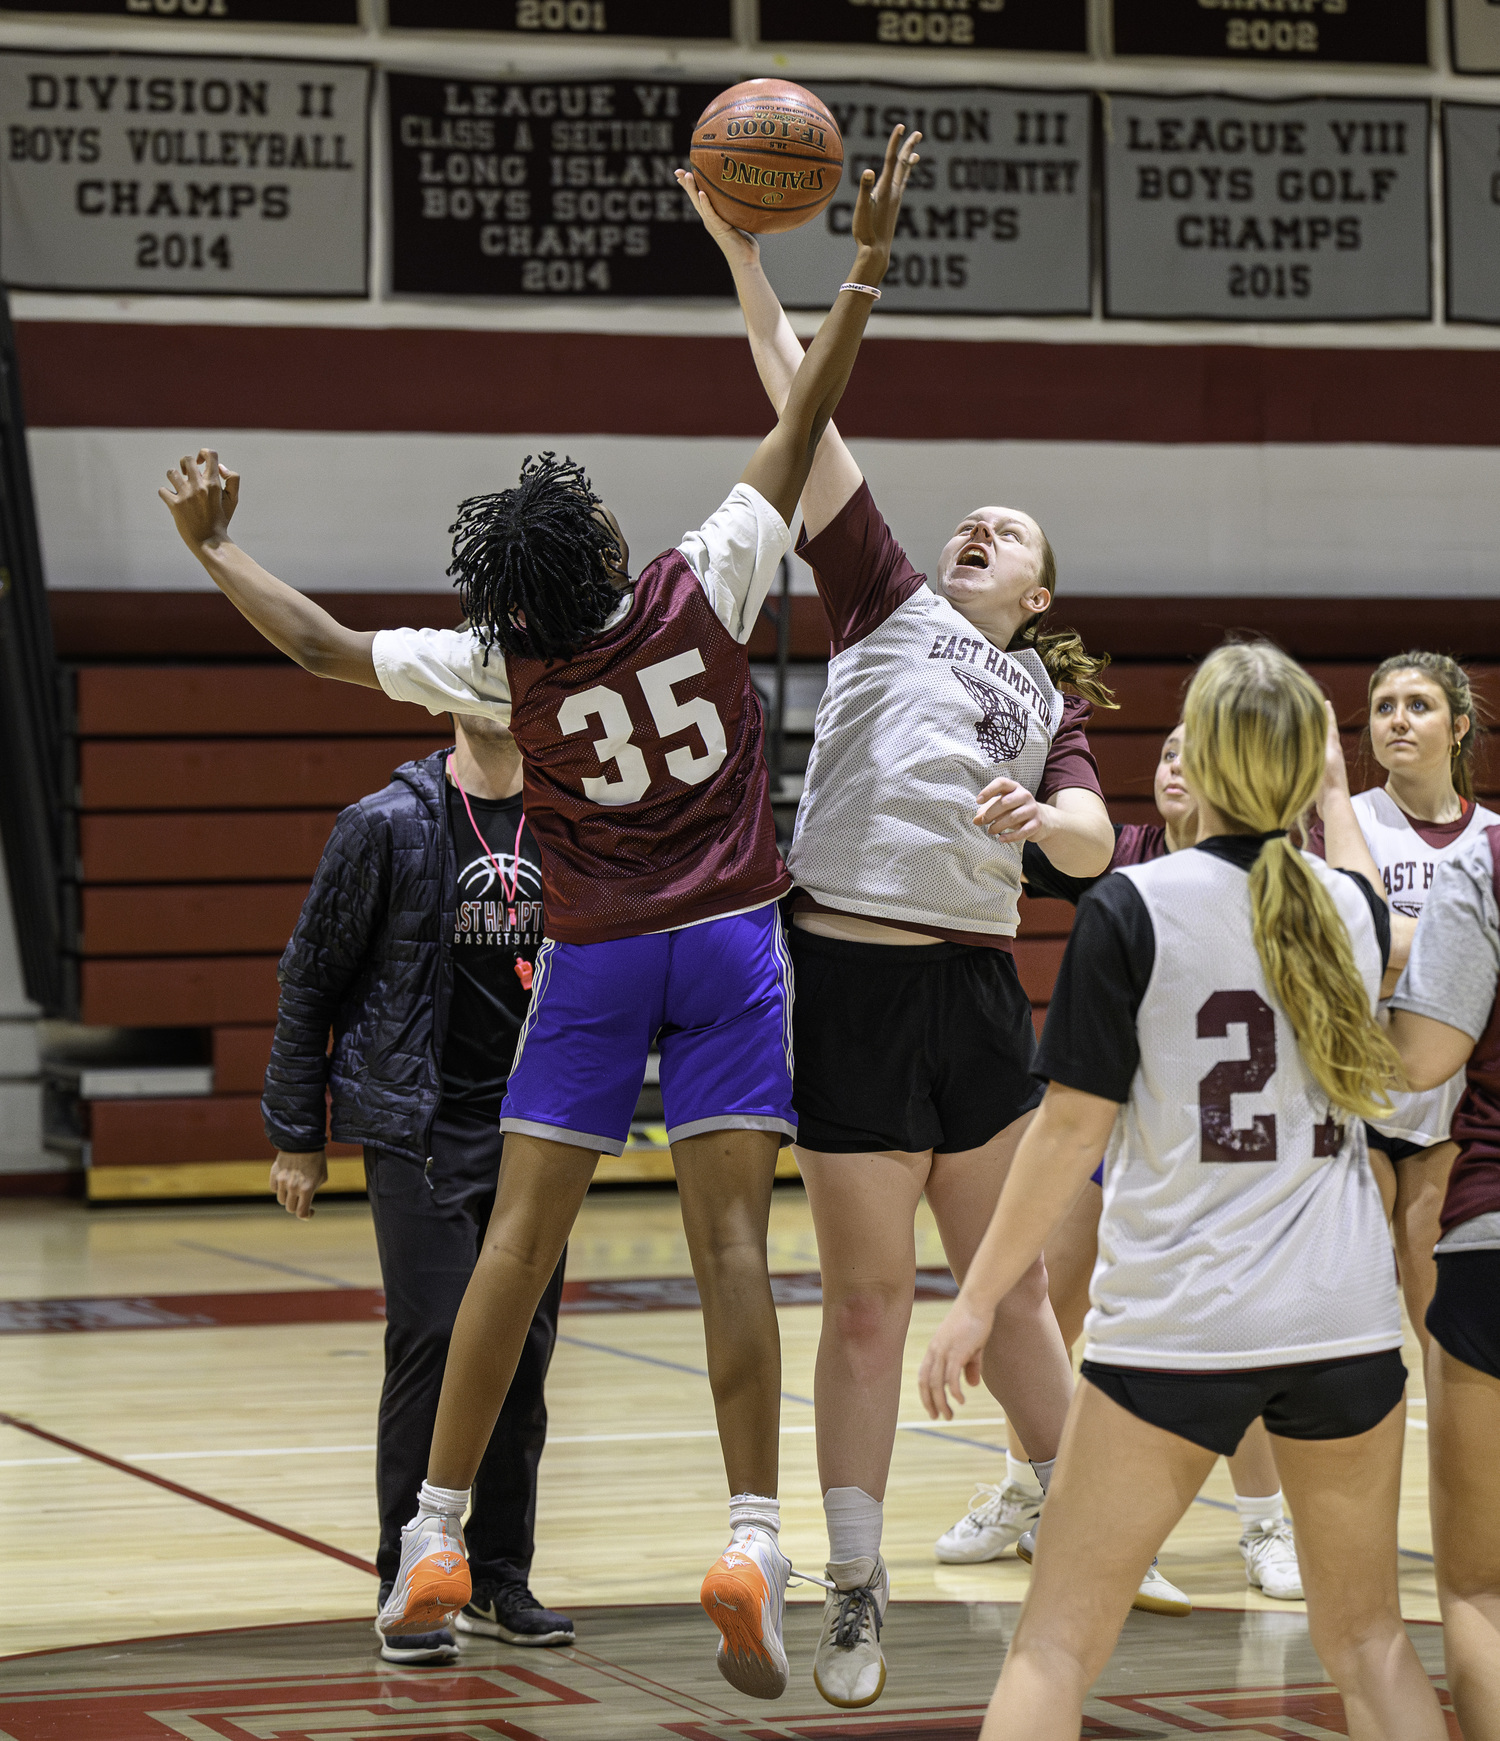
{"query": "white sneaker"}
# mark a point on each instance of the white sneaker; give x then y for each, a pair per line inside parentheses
(849, 1667)
(432, 1584)
(1155, 1596)
(744, 1595)
(997, 1516)
(1271, 1560)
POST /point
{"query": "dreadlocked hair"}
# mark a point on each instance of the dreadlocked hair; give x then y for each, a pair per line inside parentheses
(1067, 661)
(532, 565)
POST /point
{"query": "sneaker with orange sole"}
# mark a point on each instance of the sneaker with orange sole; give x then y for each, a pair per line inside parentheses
(432, 1584)
(745, 1596)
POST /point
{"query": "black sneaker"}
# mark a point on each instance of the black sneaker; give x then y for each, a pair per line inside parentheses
(510, 1612)
(417, 1647)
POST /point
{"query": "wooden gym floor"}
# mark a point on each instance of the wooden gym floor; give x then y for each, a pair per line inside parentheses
(187, 1406)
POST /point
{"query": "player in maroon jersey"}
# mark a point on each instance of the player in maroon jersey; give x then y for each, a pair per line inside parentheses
(1446, 1017)
(646, 793)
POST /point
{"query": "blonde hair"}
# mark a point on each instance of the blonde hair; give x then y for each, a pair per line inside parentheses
(1068, 662)
(1257, 734)
(1453, 680)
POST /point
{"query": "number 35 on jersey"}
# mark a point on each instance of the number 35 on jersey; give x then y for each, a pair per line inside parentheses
(626, 777)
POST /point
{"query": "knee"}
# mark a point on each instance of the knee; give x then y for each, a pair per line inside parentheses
(1027, 1298)
(1347, 1641)
(869, 1321)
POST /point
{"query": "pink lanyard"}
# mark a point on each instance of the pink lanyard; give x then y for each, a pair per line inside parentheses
(515, 881)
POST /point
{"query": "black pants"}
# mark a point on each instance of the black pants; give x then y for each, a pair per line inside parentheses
(429, 1229)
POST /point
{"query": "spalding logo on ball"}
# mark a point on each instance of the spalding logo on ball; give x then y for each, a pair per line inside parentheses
(768, 154)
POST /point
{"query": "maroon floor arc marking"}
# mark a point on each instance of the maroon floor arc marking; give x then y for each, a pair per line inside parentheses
(291, 1535)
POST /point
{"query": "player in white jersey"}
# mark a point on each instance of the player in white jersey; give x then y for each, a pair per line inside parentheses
(913, 1032)
(1422, 731)
(1001, 1515)
(1214, 1032)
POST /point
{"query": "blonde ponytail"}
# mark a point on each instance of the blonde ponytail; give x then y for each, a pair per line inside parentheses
(1256, 737)
(1067, 661)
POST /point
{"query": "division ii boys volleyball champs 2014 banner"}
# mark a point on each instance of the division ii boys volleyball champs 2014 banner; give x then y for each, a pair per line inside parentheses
(1223, 208)
(996, 218)
(175, 175)
(559, 188)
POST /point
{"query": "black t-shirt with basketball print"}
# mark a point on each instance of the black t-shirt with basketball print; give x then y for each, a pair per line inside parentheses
(497, 931)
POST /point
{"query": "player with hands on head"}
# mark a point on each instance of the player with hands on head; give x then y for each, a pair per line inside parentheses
(945, 744)
(1445, 1019)
(1213, 1032)
(1423, 728)
(646, 792)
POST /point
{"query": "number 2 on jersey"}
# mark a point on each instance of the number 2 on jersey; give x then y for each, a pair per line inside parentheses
(632, 777)
(1219, 1139)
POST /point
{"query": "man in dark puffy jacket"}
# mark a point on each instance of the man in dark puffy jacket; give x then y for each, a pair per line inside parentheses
(415, 948)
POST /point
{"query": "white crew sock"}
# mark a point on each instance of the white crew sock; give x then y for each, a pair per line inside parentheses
(854, 1524)
(1253, 1511)
(754, 1511)
(1019, 1473)
(1043, 1473)
(449, 1502)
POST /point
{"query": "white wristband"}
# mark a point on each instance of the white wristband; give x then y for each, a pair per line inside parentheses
(864, 289)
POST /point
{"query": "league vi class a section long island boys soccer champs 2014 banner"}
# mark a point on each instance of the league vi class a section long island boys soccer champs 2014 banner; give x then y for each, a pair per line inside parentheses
(546, 188)
(148, 174)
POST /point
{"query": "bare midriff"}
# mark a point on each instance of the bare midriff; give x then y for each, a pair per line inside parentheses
(856, 930)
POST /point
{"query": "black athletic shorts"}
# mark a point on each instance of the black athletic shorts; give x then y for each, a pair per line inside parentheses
(1395, 1148)
(1323, 1399)
(1464, 1317)
(907, 1046)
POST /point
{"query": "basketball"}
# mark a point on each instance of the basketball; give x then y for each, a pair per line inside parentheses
(768, 154)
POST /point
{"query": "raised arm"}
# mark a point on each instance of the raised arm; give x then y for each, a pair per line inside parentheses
(781, 465)
(778, 355)
(202, 495)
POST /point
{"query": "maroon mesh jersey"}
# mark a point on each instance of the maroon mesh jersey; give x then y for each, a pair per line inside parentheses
(1474, 1184)
(646, 785)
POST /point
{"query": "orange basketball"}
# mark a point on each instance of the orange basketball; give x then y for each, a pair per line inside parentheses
(768, 154)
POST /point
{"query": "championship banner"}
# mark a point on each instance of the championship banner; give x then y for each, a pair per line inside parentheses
(1373, 32)
(156, 174)
(1049, 26)
(562, 188)
(576, 20)
(996, 215)
(1471, 173)
(201, 11)
(1218, 208)
(1474, 31)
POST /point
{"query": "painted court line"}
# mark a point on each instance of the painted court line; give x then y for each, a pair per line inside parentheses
(308, 1275)
(291, 1535)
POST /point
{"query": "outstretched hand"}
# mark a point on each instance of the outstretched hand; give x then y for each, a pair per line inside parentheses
(953, 1354)
(740, 247)
(202, 496)
(879, 201)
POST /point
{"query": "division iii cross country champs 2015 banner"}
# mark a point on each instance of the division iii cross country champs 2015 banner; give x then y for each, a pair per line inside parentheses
(150, 174)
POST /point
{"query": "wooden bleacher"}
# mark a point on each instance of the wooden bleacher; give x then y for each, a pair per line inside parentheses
(206, 793)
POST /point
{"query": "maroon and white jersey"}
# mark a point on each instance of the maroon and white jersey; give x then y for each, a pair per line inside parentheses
(1453, 976)
(921, 712)
(645, 779)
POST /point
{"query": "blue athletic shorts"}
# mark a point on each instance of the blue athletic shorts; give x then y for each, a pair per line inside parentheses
(717, 1000)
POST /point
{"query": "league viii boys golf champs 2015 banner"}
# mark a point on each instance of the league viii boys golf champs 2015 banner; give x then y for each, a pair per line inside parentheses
(1217, 208)
(142, 174)
(561, 188)
(996, 215)
(573, 20)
